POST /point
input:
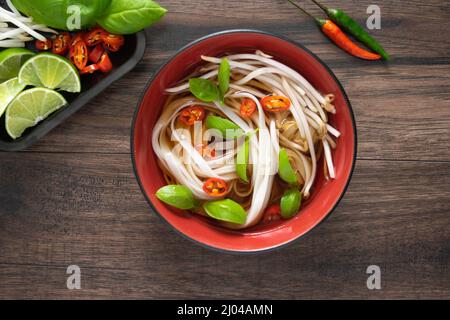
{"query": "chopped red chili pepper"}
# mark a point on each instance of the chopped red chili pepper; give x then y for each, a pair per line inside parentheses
(248, 107)
(275, 103)
(215, 187)
(192, 114)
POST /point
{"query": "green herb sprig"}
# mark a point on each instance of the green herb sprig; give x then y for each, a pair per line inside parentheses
(207, 90)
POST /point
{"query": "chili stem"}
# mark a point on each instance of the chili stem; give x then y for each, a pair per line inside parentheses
(307, 13)
(320, 5)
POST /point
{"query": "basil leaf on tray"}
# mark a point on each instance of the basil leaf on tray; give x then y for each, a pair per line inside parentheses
(56, 13)
(130, 16)
(226, 210)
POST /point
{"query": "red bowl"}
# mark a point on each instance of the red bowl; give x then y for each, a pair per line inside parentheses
(325, 194)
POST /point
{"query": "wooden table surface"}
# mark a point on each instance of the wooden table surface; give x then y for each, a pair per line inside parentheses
(72, 199)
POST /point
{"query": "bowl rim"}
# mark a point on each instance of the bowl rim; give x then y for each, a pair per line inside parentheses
(218, 249)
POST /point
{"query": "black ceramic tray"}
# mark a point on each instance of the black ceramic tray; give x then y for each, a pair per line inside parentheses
(124, 61)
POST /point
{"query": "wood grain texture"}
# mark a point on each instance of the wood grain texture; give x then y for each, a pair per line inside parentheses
(73, 199)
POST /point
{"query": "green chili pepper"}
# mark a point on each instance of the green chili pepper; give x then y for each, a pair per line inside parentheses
(351, 26)
(290, 203)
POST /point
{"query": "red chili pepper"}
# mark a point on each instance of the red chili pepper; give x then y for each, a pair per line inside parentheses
(96, 53)
(79, 54)
(215, 187)
(95, 36)
(105, 63)
(77, 37)
(44, 45)
(192, 114)
(273, 213)
(275, 103)
(61, 43)
(335, 34)
(112, 42)
(90, 69)
(205, 151)
(248, 107)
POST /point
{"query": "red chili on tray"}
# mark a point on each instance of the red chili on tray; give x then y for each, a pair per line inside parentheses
(96, 53)
(105, 63)
(113, 42)
(44, 45)
(61, 43)
(85, 46)
(94, 37)
(79, 54)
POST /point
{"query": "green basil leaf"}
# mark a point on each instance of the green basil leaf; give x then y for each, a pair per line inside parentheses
(130, 16)
(226, 210)
(228, 129)
(224, 78)
(290, 203)
(285, 169)
(204, 90)
(242, 160)
(177, 196)
(55, 13)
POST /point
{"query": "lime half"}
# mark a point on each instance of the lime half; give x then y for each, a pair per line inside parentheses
(29, 108)
(50, 71)
(8, 91)
(11, 60)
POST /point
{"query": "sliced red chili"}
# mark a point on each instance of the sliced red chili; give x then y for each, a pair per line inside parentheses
(206, 151)
(90, 69)
(62, 43)
(44, 45)
(275, 103)
(273, 213)
(94, 36)
(112, 42)
(105, 63)
(192, 114)
(79, 54)
(248, 107)
(215, 187)
(77, 37)
(96, 53)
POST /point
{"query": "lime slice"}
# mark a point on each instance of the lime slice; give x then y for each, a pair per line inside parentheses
(50, 71)
(8, 91)
(29, 108)
(11, 60)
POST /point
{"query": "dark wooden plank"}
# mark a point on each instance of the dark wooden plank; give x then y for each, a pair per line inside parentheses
(86, 209)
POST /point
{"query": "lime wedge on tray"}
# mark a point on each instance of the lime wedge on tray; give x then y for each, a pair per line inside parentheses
(8, 91)
(29, 108)
(11, 60)
(50, 71)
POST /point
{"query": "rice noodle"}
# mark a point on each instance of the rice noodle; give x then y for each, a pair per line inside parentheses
(303, 130)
